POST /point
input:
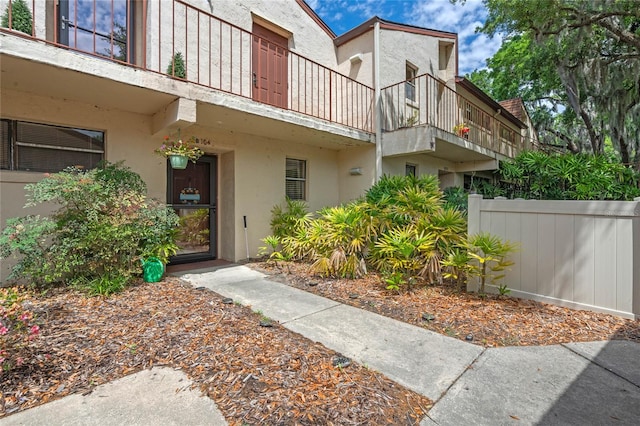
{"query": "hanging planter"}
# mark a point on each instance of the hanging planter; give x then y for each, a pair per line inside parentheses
(179, 152)
(178, 161)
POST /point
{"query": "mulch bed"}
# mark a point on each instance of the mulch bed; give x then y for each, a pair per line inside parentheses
(255, 374)
(490, 321)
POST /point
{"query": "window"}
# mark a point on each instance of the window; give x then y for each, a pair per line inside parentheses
(104, 27)
(296, 179)
(444, 55)
(411, 170)
(42, 148)
(410, 84)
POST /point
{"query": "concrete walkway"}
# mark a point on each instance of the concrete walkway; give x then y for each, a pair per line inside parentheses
(595, 383)
(160, 396)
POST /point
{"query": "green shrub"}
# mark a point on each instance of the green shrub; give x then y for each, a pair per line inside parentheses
(177, 67)
(104, 225)
(21, 18)
(285, 220)
(456, 197)
(400, 228)
(536, 175)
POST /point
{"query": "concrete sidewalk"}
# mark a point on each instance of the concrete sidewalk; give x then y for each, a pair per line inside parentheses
(578, 383)
(160, 396)
(595, 383)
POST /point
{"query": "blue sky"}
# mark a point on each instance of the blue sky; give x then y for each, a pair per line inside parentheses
(474, 49)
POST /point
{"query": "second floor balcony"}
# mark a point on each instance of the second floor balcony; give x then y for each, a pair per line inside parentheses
(440, 118)
(178, 44)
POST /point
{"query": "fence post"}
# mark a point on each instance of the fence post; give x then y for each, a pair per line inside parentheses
(473, 214)
(473, 227)
(635, 305)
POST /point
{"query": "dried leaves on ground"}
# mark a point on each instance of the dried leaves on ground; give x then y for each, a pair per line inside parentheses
(489, 321)
(255, 374)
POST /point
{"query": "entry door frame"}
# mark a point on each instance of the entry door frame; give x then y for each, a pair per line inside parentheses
(270, 67)
(212, 160)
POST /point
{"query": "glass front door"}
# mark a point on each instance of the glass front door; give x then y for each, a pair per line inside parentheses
(192, 194)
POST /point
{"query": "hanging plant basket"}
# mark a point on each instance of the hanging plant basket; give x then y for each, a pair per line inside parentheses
(180, 152)
(178, 161)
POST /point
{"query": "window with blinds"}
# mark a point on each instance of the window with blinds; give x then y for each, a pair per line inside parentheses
(43, 148)
(296, 179)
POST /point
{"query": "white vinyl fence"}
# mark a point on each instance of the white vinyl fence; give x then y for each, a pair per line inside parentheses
(579, 254)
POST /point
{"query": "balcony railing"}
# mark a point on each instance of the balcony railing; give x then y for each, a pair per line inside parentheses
(216, 54)
(433, 103)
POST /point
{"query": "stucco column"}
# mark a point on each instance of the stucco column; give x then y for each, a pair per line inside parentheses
(377, 94)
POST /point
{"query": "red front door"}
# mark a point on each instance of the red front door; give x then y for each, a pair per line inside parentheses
(270, 68)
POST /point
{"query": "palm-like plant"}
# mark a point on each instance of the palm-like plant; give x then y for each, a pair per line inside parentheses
(490, 255)
(285, 221)
(403, 250)
(340, 238)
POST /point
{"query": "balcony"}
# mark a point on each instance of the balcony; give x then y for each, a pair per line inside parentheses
(421, 115)
(124, 53)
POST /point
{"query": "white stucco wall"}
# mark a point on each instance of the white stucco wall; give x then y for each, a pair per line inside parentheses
(251, 169)
(201, 39)
(422, 51)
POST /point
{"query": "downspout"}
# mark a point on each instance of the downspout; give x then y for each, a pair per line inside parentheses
(377, 95)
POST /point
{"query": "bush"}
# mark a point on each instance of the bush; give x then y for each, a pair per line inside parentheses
(17, 328)
(285, 220)
(400, 228)
(21, 18)
(536, 175)
(456, 197)
(104, 225)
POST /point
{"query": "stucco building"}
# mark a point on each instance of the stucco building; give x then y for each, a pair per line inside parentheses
(280, 104)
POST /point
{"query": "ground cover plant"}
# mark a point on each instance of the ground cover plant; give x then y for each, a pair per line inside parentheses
(103, 227)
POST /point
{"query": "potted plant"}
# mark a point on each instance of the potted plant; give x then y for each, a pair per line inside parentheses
(176, 67)
(21, 18)
(179, 151)
(462, 130)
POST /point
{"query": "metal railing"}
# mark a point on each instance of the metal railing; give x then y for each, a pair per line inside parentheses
(428, 101)
(215, 54)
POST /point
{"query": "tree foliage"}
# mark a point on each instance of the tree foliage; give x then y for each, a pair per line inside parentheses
(578, 58)
(536, 175)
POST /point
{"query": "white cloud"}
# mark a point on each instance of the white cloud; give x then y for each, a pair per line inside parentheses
(463, 19)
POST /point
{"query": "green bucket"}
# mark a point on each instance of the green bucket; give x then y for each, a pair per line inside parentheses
(152, 270)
